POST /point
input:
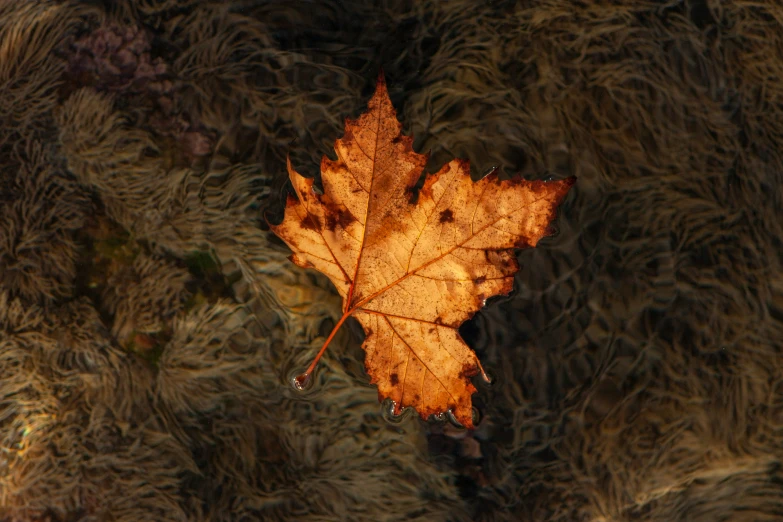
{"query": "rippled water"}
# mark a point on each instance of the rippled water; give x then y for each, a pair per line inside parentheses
(151, 326)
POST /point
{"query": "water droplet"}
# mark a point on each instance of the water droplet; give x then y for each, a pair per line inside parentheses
(302, 382)
(387, 411)
(453, 420)
(476, 416)
(488, 171)
(304, 386)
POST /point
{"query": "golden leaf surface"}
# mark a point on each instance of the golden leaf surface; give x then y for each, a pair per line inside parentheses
(413, 269)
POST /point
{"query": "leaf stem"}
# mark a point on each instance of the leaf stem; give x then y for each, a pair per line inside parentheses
(302, 379)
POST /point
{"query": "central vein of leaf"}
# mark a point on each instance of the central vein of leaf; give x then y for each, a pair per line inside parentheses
(366, 216)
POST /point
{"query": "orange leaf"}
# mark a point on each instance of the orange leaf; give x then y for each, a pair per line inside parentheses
(412, 270)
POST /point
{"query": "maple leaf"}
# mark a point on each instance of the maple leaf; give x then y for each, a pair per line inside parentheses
(412, 269)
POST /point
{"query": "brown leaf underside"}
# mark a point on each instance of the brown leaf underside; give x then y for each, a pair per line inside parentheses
(413, 272)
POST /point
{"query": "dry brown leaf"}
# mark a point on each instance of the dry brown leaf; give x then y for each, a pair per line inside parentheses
(413, 269)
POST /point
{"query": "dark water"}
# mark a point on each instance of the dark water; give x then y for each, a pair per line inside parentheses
(151, 325)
